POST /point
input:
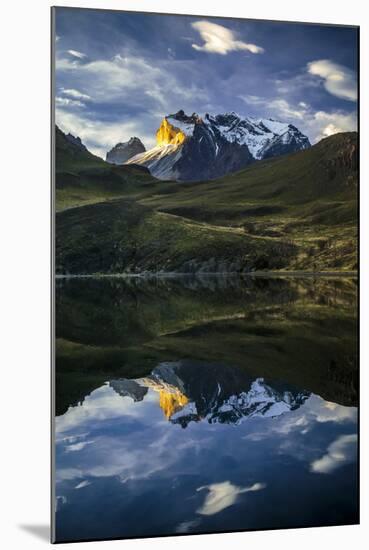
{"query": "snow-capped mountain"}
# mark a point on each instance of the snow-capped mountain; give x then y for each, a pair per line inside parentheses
(191, 148)
(190, 392)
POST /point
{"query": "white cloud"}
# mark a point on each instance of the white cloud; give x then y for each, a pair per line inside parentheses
(332, 412)
(83, 484)
(339, 453)
(283, 107)
(322, 124)
(219, 39)
(100, 136)
(295, 85)
(62, 63)
(338, 80)
(77, 446)
(75, 53)
(149, 451)
(75, 94)
(131, 77)
(150, 90)
(67, 102)
(277, 107)
(252, 99)
(222, 495)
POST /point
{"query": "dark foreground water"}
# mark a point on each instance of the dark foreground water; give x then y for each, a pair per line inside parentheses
(204, 405)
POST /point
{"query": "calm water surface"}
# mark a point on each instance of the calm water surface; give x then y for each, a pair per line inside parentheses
(197, 405)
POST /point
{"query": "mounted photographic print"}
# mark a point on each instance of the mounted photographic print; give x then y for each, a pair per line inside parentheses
(205, 193)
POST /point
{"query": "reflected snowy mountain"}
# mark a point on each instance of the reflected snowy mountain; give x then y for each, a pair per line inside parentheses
(191, 392)
(119, 458)
(260, 373)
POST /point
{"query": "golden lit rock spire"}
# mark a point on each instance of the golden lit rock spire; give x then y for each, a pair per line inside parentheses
(171, 402)
(171, 399)
(168, 134)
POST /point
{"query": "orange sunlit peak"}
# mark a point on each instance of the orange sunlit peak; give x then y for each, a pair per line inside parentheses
(168, 134)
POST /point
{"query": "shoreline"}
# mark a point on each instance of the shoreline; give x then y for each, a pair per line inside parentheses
(177, 275)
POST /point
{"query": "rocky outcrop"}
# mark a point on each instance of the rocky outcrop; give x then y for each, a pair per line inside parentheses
(76, 141)
(122, 152)
(343, 159)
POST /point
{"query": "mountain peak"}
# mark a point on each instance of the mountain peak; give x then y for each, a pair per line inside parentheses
(175, 128)
(76, 141)
(123, 151)
(169, 134)
(191, 147)
(133, 140)
(182, 117)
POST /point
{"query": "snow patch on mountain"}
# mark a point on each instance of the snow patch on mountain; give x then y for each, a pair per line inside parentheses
(186, 127)
(260, 400)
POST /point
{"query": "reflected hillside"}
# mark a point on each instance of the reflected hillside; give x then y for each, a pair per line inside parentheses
(299, 331)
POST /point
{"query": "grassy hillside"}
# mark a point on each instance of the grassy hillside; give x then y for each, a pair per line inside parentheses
(296, 212)
(82, 178)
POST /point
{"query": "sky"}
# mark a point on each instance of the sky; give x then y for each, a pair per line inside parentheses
(117, 74)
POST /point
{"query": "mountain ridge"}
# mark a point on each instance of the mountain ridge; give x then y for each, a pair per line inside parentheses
(195, 147)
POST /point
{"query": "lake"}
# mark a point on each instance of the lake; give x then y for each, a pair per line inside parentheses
(204, 404)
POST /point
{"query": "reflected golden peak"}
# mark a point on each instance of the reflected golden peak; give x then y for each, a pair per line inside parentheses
(171, 399)
(171, 402)
(168, 134)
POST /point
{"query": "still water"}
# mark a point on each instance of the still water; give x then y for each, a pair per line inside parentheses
(204, 405)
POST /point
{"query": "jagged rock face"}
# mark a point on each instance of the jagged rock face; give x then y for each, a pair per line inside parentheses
(191, 148)
(124, 151)
(206, 155)
(76, 141)
(289, 142)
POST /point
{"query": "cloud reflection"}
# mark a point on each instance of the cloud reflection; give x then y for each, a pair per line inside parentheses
(339, 453)
(222, 495)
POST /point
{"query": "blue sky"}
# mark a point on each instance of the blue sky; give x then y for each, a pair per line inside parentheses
(118, 74)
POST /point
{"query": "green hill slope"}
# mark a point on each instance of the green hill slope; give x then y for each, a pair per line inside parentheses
(297, 212)
(325, 173)
(82, 178)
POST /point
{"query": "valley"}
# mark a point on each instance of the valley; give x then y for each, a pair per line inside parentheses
(295, 212)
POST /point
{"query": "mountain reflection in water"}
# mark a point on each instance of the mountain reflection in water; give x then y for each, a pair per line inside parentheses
(193, 392)
(262, 374)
